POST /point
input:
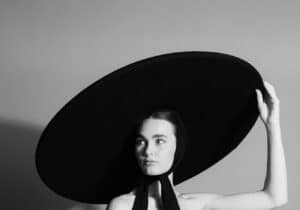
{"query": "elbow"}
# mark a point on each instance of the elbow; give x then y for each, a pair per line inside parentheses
(281, 203)
(279, 200)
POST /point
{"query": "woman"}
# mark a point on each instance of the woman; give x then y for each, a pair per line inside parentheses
(155, 150)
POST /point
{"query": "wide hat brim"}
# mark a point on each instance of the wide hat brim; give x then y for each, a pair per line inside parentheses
(85, 153)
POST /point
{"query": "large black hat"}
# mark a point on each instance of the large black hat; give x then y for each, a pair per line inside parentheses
(85, 153)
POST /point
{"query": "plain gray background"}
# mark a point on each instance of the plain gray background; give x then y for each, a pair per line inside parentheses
(51, 50)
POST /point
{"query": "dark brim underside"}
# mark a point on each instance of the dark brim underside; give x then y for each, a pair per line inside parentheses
(86, 151)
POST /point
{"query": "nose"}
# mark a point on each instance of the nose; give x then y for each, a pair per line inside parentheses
(149, 150)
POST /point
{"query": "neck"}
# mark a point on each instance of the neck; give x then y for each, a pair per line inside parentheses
(154, 189)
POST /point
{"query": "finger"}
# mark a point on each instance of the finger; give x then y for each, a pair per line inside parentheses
(259, 98)
(270, 90)
(269, 87)
(260, 104)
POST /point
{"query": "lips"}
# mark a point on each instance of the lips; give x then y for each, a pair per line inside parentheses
(149, 162)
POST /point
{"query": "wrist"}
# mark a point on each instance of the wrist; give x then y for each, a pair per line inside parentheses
(273, 121)
(272, 126)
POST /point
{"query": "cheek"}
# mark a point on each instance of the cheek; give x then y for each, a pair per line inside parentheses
(137, 152)
(168, 155)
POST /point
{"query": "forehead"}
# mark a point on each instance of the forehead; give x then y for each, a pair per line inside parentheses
(151, 126)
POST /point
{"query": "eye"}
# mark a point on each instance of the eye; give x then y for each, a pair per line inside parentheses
(160, 141)
(140, 141)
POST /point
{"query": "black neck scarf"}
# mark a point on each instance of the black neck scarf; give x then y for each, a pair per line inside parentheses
(169, 199)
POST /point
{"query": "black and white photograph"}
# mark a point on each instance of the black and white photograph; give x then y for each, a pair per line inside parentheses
(149, 105)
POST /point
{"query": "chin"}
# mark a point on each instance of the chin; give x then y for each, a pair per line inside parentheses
(151, 171)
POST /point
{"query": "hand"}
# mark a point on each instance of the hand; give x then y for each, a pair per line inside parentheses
(268, 108)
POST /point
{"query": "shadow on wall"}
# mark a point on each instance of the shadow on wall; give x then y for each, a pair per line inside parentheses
(21, 187)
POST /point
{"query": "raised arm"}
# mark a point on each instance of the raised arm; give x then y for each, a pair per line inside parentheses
(274, 192)
(276, 178)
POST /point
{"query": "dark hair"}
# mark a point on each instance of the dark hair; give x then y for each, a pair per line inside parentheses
(169, 115)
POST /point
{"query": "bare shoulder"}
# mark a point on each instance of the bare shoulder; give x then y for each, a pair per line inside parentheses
(200, 196)
(250, 200)
(197, 200)
(122, 202)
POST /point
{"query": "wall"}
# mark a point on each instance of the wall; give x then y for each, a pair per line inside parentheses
(51, 50)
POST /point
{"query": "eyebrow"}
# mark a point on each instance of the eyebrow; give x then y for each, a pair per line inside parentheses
(158, 135)
(154, 136)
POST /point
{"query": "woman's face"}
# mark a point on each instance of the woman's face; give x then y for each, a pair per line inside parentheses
(156, 142)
